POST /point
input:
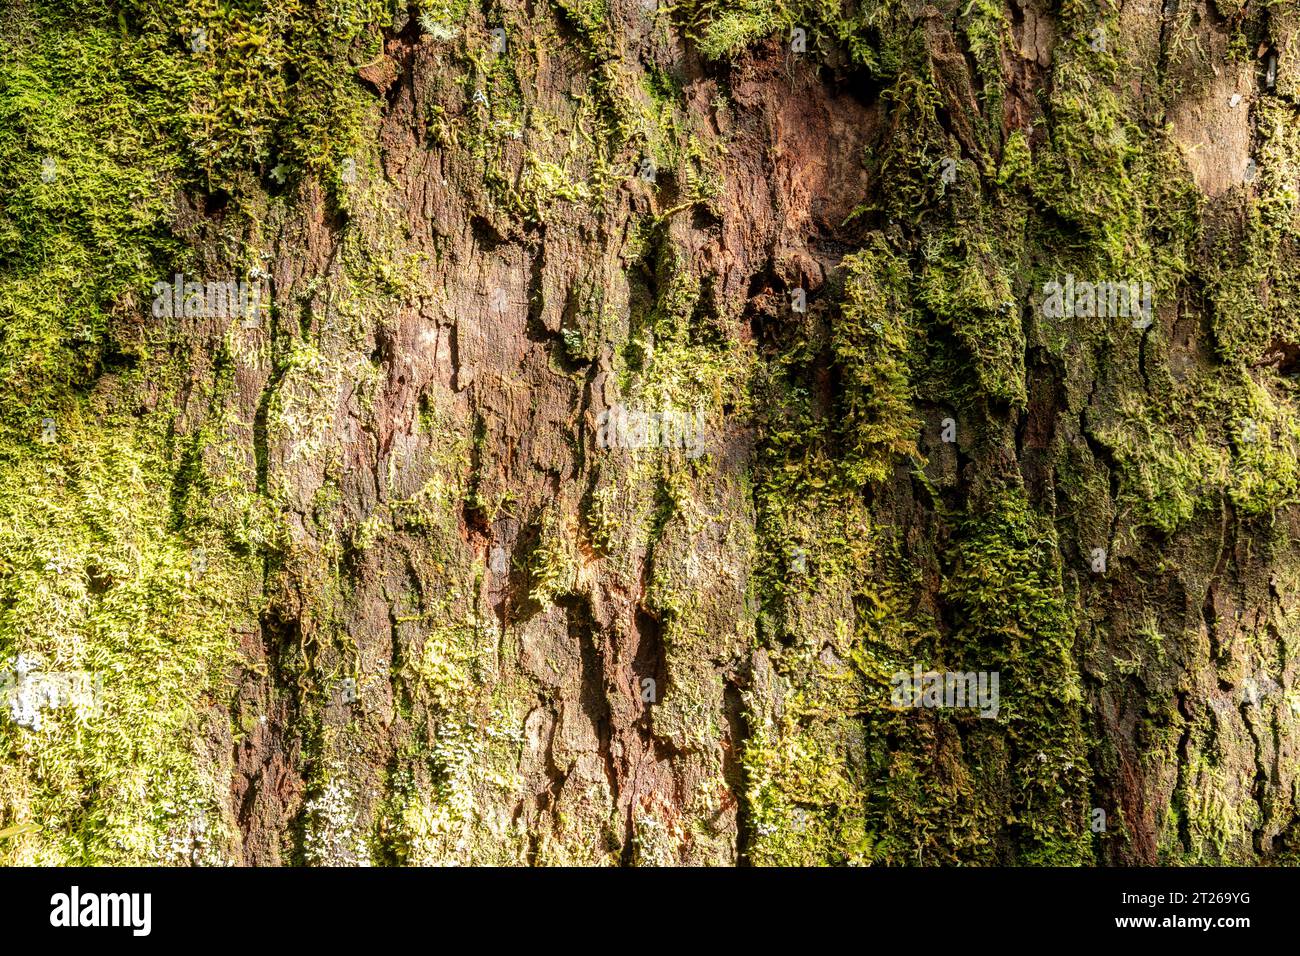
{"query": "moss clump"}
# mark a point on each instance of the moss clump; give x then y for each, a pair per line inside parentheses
(589, 17)
(677, 356)
(874, 34)
(965, 287)
(1118, 183)
(1011, 616)
(99, 571)
(553, 567)
(911, 162)
(1226, 434)
(871, 344)
(805, 807)
(443, 20)
(268, 86)
(724, 29)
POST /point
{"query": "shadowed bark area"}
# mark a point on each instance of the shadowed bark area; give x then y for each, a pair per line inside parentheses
(640, 397)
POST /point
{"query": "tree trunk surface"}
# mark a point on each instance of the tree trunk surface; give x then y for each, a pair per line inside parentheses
(628, 409)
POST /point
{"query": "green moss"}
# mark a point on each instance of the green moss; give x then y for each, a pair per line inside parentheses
(964, 285)
(602, 516)
(1252, 276)
(589, 17)
(874, 33)
(1123, 187)
(101, 568)
(677, 355)
(871, 344)
(1012, 618)
(553, 565)
(910, 164)
(988, 33)
(443, 20)
(724, 29)
(267, 85)
(1225, 434)
(804, 808)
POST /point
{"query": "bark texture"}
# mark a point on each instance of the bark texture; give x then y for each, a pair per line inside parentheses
(370, 577)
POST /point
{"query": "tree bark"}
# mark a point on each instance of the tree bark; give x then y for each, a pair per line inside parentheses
(643, 392)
